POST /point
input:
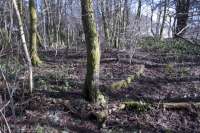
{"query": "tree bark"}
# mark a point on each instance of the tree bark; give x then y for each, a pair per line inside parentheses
(164, 18)
(91, 87)
(182, 11)
(105, 23)
(22, 35)
(33, 34)
(20, 8)
(139, 9)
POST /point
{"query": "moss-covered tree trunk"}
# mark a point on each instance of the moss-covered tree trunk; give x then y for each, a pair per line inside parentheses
(91, 88)
(20, 8)
(33, 34)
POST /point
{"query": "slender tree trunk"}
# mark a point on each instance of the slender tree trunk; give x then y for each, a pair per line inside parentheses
(91, 88)
(164, 18)
(158, 21)
(139, 9)
(33, 34)
(125, 16)
(24, 45)
(152, 12)
(20, 7)
(105, 24)
(47, 17)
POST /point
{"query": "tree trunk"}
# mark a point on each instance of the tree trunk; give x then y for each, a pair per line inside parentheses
(20, 8)
(105, 24)
(91, 88)
(164, 18)
(158, 21)
(21, 29)
(47, 17)
(125, 16)
(182, 10)
(139, 9)
(33, 34)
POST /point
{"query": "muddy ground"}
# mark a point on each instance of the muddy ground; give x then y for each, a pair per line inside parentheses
(59, 80)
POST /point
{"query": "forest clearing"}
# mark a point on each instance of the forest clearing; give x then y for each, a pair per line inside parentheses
(104, 73)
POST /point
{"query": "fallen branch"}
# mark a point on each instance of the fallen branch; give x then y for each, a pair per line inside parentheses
(169, 79)
(130, 79)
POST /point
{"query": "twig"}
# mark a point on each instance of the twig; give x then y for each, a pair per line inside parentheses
(4, 106)
(10, 101)
(9, 130)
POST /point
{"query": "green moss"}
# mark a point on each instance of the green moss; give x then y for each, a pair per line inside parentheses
(169, 69)
(35, 59)
(20, 7)
(137, 106)
(125, 83)
(39, 129)
(33, 34)
(91, 87)
(120, 84)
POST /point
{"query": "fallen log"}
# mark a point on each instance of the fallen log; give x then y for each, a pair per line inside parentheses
(149, 64)
(181, 105)
(169, 79)
(135, 105)
(130, 79)
(144, 106)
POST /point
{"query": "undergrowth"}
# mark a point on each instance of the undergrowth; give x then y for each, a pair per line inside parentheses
(174, 46)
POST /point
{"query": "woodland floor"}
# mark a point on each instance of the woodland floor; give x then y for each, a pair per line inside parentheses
(59, 80)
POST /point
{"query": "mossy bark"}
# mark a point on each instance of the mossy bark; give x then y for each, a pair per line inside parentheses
(91, 87)
(20, 8)
(33, 34)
